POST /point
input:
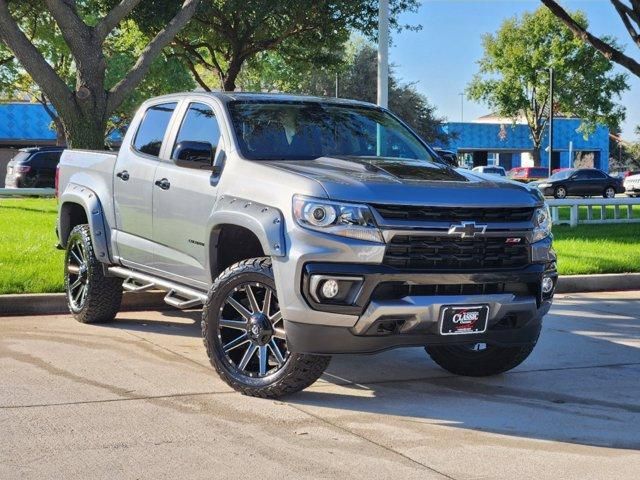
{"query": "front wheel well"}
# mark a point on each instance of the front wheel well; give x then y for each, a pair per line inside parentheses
(71, 215)
(231, 244)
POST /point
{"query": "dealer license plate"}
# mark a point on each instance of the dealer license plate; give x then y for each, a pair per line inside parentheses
(464, 319)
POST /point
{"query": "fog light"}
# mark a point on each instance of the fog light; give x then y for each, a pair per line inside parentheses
(330, 289)
(547, 285)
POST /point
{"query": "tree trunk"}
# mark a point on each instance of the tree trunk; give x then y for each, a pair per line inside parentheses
(230, 77)
(536, 155)
(61, 138)
(85, 133)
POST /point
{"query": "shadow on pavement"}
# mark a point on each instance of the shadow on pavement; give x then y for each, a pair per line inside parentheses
(184, 323)
(580, 385)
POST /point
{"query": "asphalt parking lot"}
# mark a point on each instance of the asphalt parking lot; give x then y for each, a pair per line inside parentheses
(137, 399)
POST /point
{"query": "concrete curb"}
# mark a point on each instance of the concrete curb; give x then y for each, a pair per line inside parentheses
(53, 303)
(598, 283)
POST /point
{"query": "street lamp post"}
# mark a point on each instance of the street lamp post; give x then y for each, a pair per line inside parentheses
(550, 119)
(383, 54)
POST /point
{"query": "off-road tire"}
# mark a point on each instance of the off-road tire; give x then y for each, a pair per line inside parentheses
(104, 294)
(462, 361)
(298, 372)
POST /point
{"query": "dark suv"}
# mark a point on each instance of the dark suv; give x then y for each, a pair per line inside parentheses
(33, 168)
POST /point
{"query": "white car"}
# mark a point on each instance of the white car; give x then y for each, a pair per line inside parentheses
(490, 170)
(632, 185)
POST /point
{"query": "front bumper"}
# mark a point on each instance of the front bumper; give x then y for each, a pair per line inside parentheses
(397, 308)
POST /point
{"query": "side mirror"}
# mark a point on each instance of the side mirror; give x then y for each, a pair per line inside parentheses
(198, 155)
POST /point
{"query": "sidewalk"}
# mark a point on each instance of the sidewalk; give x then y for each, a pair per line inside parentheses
(137, 399)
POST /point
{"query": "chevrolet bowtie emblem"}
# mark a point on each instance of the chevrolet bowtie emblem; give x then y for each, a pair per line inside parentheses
(467, 229)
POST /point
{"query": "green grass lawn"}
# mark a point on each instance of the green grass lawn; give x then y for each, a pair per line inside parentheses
(563, 212)
(597, 248)
(29, 262)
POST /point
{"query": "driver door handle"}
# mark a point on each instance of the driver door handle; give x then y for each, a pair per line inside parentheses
(163, 184)
(123, 175)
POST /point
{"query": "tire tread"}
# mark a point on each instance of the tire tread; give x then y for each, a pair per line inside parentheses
(302, 370)
(105, 293)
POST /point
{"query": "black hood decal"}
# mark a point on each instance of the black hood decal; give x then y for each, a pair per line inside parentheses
(409, 169)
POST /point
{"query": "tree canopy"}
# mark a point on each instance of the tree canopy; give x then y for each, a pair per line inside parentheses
(165, 75)
(358, 81)
(78, 41)
(227, 34)
(513, 76)
(629, 13)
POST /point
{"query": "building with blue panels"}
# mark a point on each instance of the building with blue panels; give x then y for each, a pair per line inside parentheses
(24, 124)
(491, 141)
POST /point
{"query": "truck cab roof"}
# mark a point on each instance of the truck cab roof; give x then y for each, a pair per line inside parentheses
(264, 96)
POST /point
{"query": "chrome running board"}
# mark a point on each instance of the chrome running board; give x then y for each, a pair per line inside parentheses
(178, 296)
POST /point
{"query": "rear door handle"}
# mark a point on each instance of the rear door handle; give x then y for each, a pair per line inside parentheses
(163, 184)
(124, 175)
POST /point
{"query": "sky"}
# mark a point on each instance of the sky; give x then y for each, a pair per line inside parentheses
(441, 58)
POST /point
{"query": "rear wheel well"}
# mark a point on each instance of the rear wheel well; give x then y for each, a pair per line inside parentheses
(71, 215)
(231, 244)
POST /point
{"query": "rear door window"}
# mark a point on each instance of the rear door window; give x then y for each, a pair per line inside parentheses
(37, 160)
(51, 159)
(597, 174)
(151, 131)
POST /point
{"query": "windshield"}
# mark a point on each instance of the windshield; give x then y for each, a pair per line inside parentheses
(494, 171)
(561, 175)
(273, 130)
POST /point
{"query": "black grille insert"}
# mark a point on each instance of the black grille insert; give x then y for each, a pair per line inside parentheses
(454, 214)
(453, 253)
(398, 290)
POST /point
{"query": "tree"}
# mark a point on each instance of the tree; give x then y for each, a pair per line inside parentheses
(358, 81)
(15, 82)
(513, 77)
(226, 34)
(87, 28)
(629, 13)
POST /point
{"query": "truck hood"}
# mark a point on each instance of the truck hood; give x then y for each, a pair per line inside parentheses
(408, 182)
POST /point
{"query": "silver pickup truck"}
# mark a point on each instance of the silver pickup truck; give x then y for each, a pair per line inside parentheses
(306, 227)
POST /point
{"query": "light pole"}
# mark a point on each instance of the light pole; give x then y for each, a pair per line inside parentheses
(461, 106)
(550, 119)
(383, 54)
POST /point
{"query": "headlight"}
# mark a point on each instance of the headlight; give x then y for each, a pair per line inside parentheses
(544, 185)
(542, 223)
(337, 218)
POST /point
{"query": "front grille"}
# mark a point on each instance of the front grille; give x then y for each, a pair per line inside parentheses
(454, 214)
(398, 290)
(451, 253)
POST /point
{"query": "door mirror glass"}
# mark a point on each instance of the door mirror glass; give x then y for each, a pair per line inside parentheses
(191, 154)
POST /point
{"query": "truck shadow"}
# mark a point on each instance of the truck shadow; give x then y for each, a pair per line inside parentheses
(185, 323)
(580, 386)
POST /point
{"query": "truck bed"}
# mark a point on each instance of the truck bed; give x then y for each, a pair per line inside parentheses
(95, 167)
